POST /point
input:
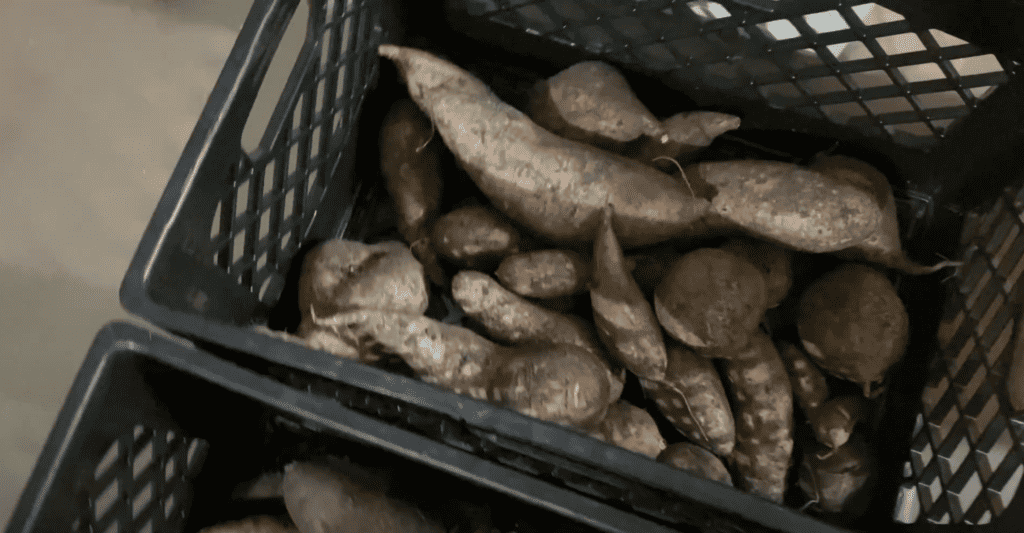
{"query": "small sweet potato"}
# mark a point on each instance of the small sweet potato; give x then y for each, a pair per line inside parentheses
(711, 300)
(544, 273)
(833, 422)
(411, 168)
(809, 385)
(839, 481)
(253, 524)
(591, 102)
(475, 237)
(853, 324)
(786, 204)
(632, 428)
(763, 404)
(775, 263)
(553, 186)
(625, 321)
(341, 274)
(693, 399)
(695, 460)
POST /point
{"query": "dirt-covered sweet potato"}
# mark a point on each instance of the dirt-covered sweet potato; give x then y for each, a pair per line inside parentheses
(786, 204)
(838, 481)
(544, 273)
(810, 389)
(253, 524)
(591, 102)
(775, 263)
(342, 274)
(475, 236)
(693, 399)
(884, 246)
(684, 134)
(625, 322)
(853, 324)
(763, 408)
(695, 460)
(553, 186)
(411, 168)
(630, 427)
(711, 300)
(834, 420)
(322, 499)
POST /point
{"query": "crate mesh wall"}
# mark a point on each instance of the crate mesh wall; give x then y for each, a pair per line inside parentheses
(967, 460)
(857, 64)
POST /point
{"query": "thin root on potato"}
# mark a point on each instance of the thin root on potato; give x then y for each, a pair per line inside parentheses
(680, 167)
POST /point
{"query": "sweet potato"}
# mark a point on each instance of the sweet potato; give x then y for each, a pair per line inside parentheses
(786, 204)
(684, 134)
(853, 324)
(559, 383)
(775, 263)
(253, 524)
(326, 500)
(711, 300)
(763, 404)
(553, 186)
(695, 460)
(884, 246)
(833, 422)
(475, 237)
(632, 428)
(591, 102)
(625, 321)
(840, 481)
(544, 273)
(341, 274)
(411, 168)
(809, 385)
(509, 318)
(693, 399)
(267, 485)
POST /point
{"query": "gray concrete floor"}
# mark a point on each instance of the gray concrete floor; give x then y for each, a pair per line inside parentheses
(97, 100)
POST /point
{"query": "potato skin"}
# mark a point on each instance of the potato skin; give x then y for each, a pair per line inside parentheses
(252, 524)
(630, 427)
(692, 380)
(809, 385)
(833, 422)
(322, 498)
(841, 481)
(410, 165)
(553, 186)
(763, 404)
(544, 273)
(787, 204)
(853, 324)
(684, 134)
(625, 322)
(775, 263)
(475, 237)
(341, 274)
(695, 460)
(711, 300)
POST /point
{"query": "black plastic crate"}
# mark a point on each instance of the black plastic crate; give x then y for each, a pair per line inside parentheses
(926, 91)
(155, 436)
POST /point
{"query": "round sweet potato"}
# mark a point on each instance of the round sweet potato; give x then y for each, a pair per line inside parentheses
(711, 300)
(775, 263)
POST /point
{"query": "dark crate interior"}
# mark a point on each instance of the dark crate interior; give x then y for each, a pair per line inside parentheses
(929, 101)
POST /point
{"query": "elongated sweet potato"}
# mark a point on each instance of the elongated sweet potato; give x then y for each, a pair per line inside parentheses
(410, 164)
(553, 186)
(591, 102)
(475, 237)
(884, 246)
(763, 403)
(711, 300)
(630, 427)
(775, 263)
(853, 324)
(341, 274)
(325, 500)
(544, 273)
(695, 460)
(693, 399)
(786, 204)
(625, 321)
(684, 134)
(809, 385)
